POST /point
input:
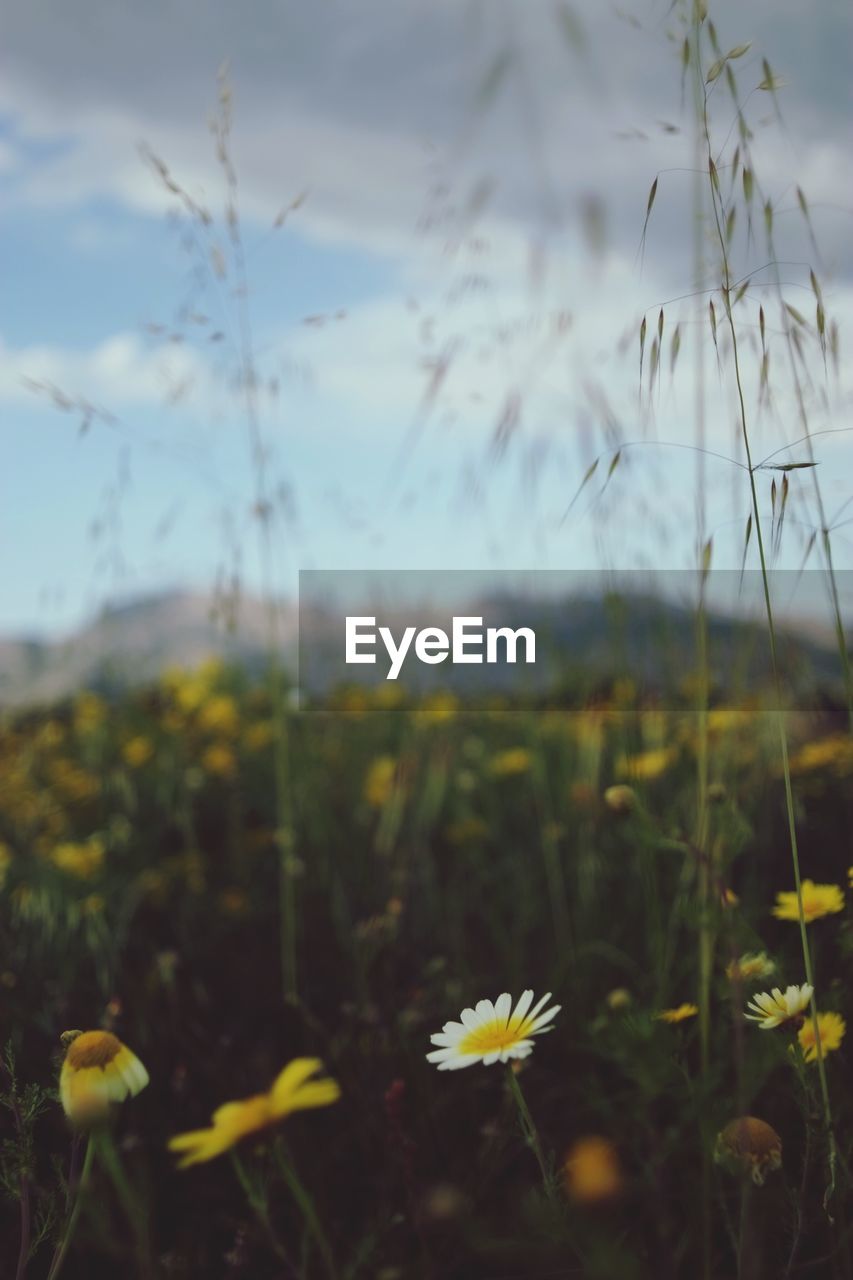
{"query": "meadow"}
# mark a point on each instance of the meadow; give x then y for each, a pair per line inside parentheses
(437, 855)
(245, 941)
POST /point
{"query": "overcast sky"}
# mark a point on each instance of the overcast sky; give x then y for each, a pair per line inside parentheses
(445, 322)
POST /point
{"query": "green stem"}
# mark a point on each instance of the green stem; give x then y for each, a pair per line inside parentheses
(71, 1225)
(258, 1204)
(129, 1200)
(531, 1134)
(307, 1209)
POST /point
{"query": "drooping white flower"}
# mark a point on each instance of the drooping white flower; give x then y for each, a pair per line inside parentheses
(772, 1009)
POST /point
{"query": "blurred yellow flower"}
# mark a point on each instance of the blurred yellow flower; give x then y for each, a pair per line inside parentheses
(508, 764)
(258, 736)
(379, 782)
(834, 752)
(832, 1028)
(137, 751)
(218, 759)
(469, 830)
(219, 714)
(436, 709)
(292, 1091)
(90, 712)
(679, 1014)
(82, 860)
(98, 1069)
(591, 1171)
(750, 966)
(751, 1146)
(620, 798)
(5, 862)
(646, 765)
(818, 900)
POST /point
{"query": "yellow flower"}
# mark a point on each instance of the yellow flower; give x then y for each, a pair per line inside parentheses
(507, 764)
(620, 798)
(679, 1014)
(379, 783)
(90, 712)
(831, 1026)
(491, 1032)
(818, 900)
(591, 1171)
(258, 736)
(98, 1069)
(750, 1146)
(219, 715)
(438, 708)
(219, 760)
(647, 764)
(775, 1008)
(750, 966)
(292, 1091)
(137, 751)
(834, 752)
(81, 860)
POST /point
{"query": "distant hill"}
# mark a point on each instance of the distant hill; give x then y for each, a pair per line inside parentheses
(581, 639)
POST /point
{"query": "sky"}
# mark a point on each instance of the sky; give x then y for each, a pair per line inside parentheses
(438, 282)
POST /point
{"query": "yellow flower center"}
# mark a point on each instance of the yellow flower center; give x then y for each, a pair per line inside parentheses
(493, 1036)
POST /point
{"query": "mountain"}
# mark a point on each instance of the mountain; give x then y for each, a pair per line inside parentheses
(580, 641)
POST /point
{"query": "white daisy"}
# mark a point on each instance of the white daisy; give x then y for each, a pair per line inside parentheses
(772, 1009)
(491, 1032)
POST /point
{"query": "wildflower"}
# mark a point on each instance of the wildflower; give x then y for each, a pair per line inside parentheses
(219, 760)
(258, 736)
(750, 1146)
(436, 709)
(620, 798)
(83, 861)
(507, 764)
(818, 900)
(137, 751)
(618, 998)
(379, 782)
(728, 898)
(750, 966)
(292, 1091)
(776, 1008)
(679, 1014)
(98, 1069)
(833, 752)
(832, 1028)
(491, 1032)
(647, 764)
(219, 714)
(591, 1171)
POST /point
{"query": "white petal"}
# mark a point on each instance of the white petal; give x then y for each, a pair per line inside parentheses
(539, 1023)
(485, 1010)
(539, 1004)
(503, 1007)
(470, 1018)
(492, 1057)
(524, 1002)
(455, 1029)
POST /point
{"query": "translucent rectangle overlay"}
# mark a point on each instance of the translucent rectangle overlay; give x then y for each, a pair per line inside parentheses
(569, 639)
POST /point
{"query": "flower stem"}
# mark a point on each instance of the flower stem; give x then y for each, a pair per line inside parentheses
(531, 1134)
(71, 1225)
(258, 1204)
(306, 1206)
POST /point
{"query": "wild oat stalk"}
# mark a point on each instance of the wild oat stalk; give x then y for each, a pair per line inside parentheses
(721, 224)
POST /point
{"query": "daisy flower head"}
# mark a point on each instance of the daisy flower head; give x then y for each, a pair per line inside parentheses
(818, 900)
(292, 1090)
(492, 1032)
(97, 1070)
(832, 1028)
(775, 1008)
(683, 1012)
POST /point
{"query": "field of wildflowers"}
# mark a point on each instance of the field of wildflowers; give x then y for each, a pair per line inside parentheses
(464, 881)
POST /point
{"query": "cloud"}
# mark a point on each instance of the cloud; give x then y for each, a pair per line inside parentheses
(119, 373)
